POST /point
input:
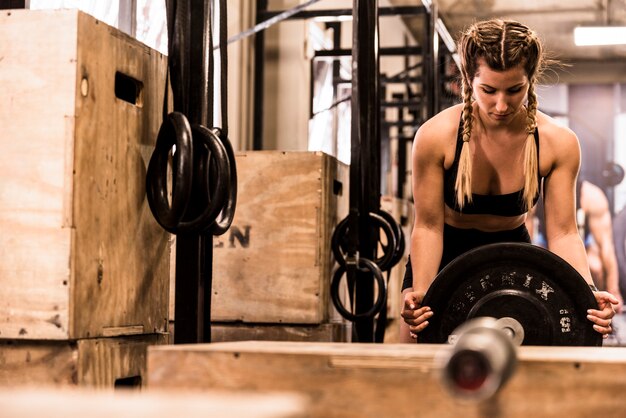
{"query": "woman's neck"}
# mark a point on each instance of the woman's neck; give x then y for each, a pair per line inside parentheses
(495, 132)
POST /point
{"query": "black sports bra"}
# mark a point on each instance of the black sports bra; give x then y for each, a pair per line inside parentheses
(510, 204)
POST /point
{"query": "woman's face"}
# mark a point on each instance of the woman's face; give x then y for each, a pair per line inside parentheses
(499, 94)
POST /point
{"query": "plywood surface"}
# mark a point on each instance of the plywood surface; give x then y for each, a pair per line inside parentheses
(80, 253)
(104, 361)
(274, 265)
(332, 332)
(37, 75)
(51, 363)
(121, 255)
(400, 380)
(97, 362)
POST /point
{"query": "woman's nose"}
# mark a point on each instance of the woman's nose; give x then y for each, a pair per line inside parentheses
(501, 104)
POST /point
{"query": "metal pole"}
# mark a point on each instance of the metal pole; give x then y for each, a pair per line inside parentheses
(259, 73)
(365, 176)
(194, 252)
(431, 66)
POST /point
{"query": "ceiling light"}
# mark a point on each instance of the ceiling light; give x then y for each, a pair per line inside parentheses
(600, 35)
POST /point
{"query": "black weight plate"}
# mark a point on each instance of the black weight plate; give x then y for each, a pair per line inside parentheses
(545, 294)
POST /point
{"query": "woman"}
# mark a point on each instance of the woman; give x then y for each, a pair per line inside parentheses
(478, 167)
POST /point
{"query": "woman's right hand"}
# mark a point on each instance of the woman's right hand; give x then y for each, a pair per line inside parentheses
(414, 314)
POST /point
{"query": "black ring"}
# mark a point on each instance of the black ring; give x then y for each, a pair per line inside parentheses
(381, 300)
(216, 155)
(398, 251)
(175, 130)
(338, 239)
(384, 262)
(225, 217)
(213, 157)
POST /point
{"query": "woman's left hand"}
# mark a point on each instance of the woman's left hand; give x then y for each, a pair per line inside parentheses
(601, 317)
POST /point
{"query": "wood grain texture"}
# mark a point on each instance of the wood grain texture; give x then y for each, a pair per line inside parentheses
(38, 363)
(104, 361)
(97, 362)
(37, 74)
(274, 265)
(80, 253)
(121, 254)
(332, 332)
(399, 380)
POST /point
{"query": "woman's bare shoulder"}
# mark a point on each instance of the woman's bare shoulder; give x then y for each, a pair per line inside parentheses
(435, 139)
(553, 132)
(558, 143)
(443, 125)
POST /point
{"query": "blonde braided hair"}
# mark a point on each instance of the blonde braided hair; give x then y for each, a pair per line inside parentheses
(503, 44)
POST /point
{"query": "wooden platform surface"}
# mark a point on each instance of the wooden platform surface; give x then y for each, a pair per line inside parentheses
(75, 403)
(399, 380)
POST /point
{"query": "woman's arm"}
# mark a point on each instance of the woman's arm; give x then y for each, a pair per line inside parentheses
(560, 201)
(428, 157)
(563, 153)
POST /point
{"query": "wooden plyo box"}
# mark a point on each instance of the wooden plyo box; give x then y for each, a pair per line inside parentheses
(396, 380)
(275, 263)
(93, 362)
(80, 252)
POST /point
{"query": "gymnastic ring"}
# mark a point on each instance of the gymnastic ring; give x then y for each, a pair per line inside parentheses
(226, 215)
(341, 231)
(398, 251)
(174, 131)
(338, 239)
(214, 155)
(364, 265)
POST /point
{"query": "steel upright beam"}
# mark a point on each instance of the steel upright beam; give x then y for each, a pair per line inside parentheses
(432, 59)
(259, 74)
(365, 149)
(194, 252)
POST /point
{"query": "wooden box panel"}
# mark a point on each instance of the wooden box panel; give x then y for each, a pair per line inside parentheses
(275, 263)
(94, 362)
(80, 252)
(396, 380)
(331, 332)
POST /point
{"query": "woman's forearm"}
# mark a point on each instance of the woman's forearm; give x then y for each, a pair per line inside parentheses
(571, 249)
(426, 251)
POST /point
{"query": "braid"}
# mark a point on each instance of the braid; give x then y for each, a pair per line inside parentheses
(531, 182)
(463, 183)
(502, 44)
(475, 36)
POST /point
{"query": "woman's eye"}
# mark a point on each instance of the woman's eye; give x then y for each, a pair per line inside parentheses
(515, 90)
(489, 91)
